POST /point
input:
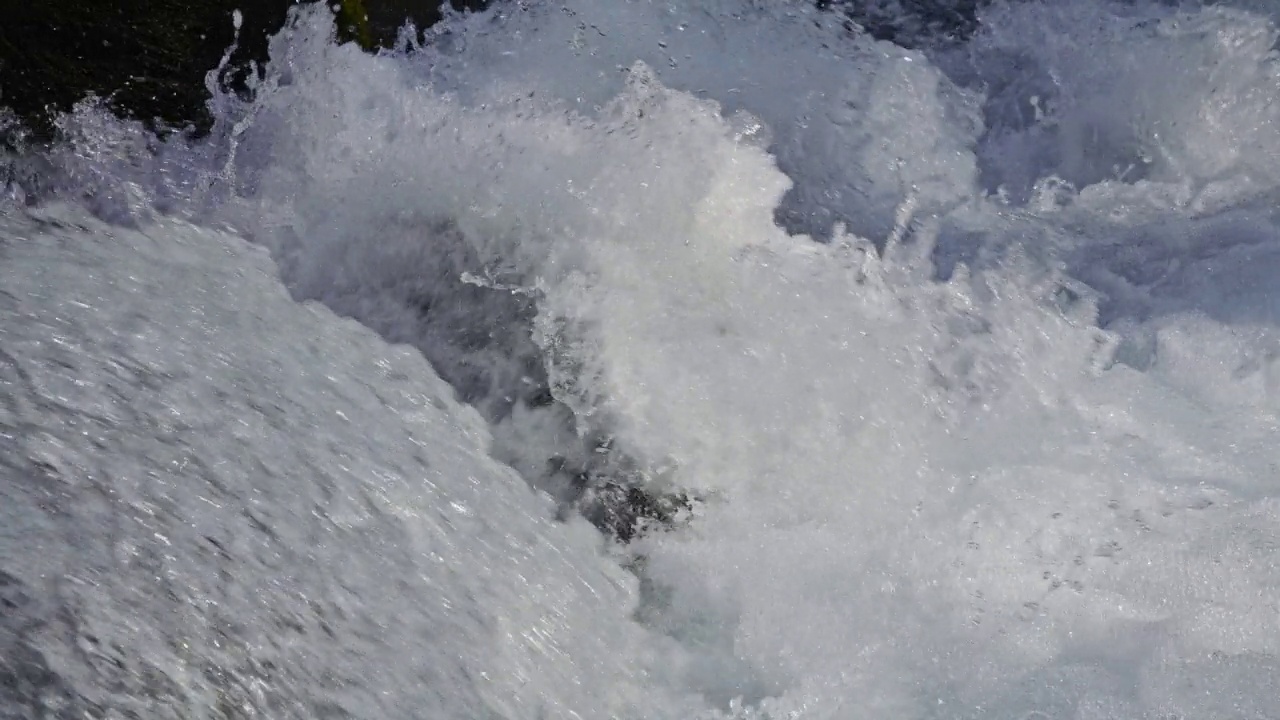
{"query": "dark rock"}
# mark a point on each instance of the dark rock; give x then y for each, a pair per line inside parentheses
(148, 58)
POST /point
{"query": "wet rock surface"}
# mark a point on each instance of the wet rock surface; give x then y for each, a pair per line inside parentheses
(149, 58)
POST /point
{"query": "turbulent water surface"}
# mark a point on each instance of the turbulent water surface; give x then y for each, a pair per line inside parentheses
(953, 373)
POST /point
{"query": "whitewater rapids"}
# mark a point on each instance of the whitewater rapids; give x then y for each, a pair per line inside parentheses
(965, 355)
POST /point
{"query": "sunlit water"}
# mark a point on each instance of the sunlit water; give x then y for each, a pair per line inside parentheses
(967, 357)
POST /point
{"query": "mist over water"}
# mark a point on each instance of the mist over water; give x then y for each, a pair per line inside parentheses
(964, 357)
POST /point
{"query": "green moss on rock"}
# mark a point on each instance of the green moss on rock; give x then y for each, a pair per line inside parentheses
(353, 23)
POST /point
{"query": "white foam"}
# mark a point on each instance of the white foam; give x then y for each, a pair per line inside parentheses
(1042, 485)
(1107, 92)
(220, 501)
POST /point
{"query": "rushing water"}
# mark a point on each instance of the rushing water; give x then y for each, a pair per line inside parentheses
(961, 364)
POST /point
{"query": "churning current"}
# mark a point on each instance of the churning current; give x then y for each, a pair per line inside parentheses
(949, 376)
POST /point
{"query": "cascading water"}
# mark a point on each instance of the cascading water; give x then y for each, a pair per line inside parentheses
(949, 374)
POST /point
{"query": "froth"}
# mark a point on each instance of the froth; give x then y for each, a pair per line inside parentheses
(1040, 484)
(1144, 93)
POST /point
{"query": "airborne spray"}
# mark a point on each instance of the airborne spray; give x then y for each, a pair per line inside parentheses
(962, 352)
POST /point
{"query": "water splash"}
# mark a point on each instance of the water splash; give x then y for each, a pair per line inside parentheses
(997, 444)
